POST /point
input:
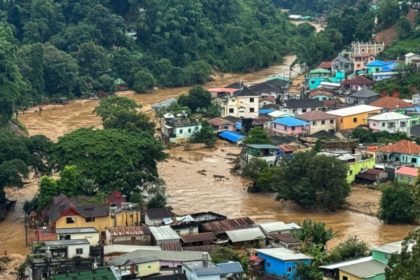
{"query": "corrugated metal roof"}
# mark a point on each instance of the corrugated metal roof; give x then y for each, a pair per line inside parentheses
(117, 248)
(284, 254)
(123, 231)
(230, 224)
(247, 234)
(171, 246)
(290, 121)
(205, 236)
(66, 242)
(261, 146)
(271, 227)
(346, 263)
(231, 136)
(164, 233)
(229, 267)
(354, 110)
(175, 256)
(365, 269)
(394, 247)
(76, 230)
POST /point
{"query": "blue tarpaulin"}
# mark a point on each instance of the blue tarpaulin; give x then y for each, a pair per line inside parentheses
(231, 136)
(266, 111)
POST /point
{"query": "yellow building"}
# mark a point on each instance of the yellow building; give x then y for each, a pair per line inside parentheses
(69, 213)
(352, 117)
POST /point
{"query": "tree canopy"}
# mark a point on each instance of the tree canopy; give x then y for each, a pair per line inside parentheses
(257, 135)
(197, 98)
(114, 159)
(398, 205)
(313, 181)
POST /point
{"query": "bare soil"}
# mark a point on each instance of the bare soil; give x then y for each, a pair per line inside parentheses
(364, 200)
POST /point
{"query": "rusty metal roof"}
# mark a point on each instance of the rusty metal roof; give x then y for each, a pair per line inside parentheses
(230, 224)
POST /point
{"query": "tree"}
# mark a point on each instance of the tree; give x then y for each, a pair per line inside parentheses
(403, 28)
(405, 265)
(313, 233)
(123, 113)
(223, 254)
(157, 201)
(254, 167)
(388, 13)
(143, 81)
(113, 159)
(307, 272)
(197, 98)
(19, 156)
(93, 60)
(397, 205)
(257, 135)
(350, 249)
(205, 135)
(313, 181)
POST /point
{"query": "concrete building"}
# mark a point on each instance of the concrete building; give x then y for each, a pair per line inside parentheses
(90, 233)
(391, 122)
(319, 121)
(363, 53)
(352, 117)
(244, 103)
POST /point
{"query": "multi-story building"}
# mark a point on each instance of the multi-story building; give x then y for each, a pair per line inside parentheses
(244, 103)
(390, 121)
(363, 53)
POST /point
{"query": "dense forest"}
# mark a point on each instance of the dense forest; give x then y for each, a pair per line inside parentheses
(76, 48)
(63, 48)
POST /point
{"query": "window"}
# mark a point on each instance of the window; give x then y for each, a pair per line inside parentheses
(293, 128)
(341, 120)
(314, 122)
(373, 124)
(251, 110)
(268, 264)
(79, 251)
(190, 231)
(289, 269)
(251, 100)
(322, 122)
(189, 130)
(303, 110)
(403, 124)
(180, 131)
(90, 219)
(383, 124)
(345, 278)
(358, 65)
(355, 120)
(231, 110)
(70, 220)
(331, 121)
(413, 160)
(65, 237)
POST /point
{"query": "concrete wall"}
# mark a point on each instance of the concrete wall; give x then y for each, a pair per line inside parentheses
(100, 223)
(93, 238)
(319, 125)
(356, 167)
(241, 107)
(398, 126)
(147, 269)
(275, 127)
(278, 267)
(127, 218)
(353, 121)
(71, 251)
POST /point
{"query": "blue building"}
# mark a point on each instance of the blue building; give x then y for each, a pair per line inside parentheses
(282, 262)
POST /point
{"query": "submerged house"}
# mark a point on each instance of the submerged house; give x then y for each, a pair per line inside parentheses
(177, 130)
(266, 152)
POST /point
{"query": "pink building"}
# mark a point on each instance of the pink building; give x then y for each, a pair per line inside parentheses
(290, 126)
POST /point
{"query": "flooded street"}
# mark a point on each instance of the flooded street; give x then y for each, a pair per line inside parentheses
(55, 120)
(196, 180)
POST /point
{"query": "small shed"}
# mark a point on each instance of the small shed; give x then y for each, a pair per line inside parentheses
(247, 236)
(164, 234)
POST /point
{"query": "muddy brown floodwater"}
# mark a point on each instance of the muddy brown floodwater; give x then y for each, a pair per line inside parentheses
(213, 188)
(202, 181)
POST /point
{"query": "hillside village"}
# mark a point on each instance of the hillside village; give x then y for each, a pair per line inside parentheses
(122, 240)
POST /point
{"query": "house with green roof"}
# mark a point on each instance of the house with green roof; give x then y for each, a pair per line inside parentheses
(316, 77)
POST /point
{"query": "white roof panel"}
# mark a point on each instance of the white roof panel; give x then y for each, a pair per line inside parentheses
(389, 116)
(284, 254)
(354, 110)
(246, 234)
(164, 233)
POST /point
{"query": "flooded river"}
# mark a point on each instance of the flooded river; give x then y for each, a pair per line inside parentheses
(213, 188)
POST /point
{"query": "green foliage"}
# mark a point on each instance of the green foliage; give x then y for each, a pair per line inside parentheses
(368, 136)
(113, 159)
(123, 113)
(143, 81)
(403, 28)
(397, 205)
(406, 264)
(224, 254)
(313, 181)
(407, 85)
(157, 201)
(18, 156)
(205, 135)
(350, 249)
(197, 98)
(257, 135)
(313, 233)
(137, 198)
(388, 13)
(307, 272)
(254, 167)
(311, 7)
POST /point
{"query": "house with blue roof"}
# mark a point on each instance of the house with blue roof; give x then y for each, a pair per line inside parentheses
(290, 126)
(382, 70)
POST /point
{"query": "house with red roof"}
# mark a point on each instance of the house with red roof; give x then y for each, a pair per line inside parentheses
(404, 152)
(356, 83)
(390, 103)
(407, 175)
